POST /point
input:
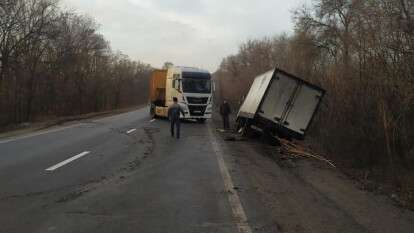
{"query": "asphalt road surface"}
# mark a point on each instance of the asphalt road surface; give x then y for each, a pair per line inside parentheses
(123, 173)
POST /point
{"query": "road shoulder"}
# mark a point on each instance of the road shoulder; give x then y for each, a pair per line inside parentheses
(306, 196)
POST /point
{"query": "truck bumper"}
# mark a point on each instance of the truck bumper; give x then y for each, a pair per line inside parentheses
(198, 111)
(188, 116)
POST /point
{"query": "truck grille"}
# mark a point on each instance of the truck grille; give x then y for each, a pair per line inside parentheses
(197, 110)
(197, 100)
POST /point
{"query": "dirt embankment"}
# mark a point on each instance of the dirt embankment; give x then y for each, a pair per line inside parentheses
(307, 195)
(376, 179)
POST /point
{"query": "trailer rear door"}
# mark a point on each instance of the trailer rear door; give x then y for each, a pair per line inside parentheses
(303, 108)
(276, 101)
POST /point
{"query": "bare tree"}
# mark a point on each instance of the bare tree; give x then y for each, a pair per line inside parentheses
(54, 63)
(362, 53)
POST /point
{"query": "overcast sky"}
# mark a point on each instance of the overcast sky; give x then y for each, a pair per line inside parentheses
(186, 32)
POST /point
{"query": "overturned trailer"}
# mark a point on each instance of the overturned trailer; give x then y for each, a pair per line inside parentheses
(281, 104)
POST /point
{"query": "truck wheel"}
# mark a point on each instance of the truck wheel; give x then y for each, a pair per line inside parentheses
(269, 137)
(243, 126)
(152, 111)
(201, 120)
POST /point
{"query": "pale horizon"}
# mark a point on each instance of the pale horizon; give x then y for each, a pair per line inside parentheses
(199, 34)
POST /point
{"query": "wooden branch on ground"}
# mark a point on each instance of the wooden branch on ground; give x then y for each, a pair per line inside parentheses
(291, 149)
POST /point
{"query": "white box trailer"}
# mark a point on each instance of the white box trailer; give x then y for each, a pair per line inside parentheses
(280, 103)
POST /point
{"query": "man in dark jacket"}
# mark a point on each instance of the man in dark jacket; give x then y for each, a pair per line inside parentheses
(174, 116)
(225, 112)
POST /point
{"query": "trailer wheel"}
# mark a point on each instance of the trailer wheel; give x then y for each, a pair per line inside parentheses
(243, 126)
(201, 120)
(152, 111)
(270, 137)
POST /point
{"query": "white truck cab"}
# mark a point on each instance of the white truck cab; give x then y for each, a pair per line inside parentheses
(192, 87)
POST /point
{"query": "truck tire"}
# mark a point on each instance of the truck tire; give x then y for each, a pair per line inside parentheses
(242, 126)
(201, 120)
(270, 137)
(152, 111)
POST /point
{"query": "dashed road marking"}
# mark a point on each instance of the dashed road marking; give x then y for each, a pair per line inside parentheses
(131, 131)
(234, 200)
(63, 163)
(152, 120)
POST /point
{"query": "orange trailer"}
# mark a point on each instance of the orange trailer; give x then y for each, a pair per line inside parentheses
(158, 83)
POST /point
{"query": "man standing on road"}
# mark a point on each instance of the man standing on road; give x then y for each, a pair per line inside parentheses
(174, 116)
(225, 112)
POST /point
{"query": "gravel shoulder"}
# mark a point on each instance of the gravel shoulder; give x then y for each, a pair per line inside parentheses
(306, 195)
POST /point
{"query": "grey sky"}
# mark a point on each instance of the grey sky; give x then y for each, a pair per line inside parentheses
(186, 32)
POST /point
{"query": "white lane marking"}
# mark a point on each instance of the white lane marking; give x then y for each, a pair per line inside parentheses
(234, 200)
(37, 134)
(131, 131)
(63, 163)
(152, 120)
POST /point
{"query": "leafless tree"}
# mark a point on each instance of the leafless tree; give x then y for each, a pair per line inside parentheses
(55, 63)
(362, 53)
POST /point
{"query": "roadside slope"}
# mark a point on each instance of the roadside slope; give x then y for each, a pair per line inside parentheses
(307, 196)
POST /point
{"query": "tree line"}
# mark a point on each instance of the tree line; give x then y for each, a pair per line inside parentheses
(54, 62)
(362, 53)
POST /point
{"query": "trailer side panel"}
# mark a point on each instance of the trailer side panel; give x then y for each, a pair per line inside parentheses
(157, 86)
(255, 95)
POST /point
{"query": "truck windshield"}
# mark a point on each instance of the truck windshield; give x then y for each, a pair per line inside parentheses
(196, 83)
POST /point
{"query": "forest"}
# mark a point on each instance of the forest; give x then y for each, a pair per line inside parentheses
(54, 63)
(362, 53)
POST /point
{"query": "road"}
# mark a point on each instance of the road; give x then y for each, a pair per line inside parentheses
(125, 173)
(122, 173)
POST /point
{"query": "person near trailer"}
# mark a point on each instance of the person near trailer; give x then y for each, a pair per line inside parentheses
(225, 111)
(174, 112)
